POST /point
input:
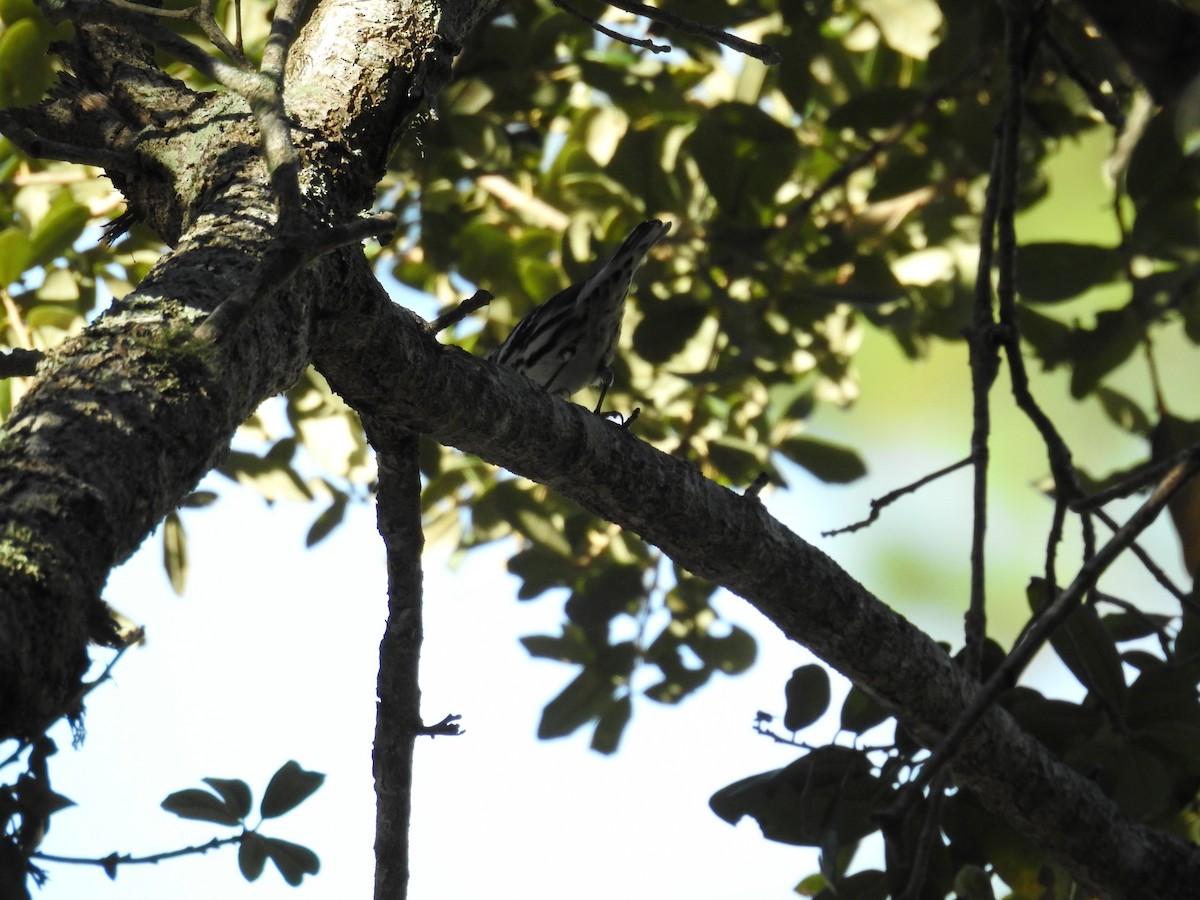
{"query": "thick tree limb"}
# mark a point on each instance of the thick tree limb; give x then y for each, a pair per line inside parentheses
(390, 366)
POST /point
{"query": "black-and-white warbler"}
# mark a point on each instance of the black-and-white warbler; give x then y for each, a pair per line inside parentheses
(568, 342)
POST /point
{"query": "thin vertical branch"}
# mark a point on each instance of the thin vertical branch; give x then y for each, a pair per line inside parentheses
(398, 713)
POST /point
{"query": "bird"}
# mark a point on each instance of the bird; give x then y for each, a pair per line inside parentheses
(568, 342)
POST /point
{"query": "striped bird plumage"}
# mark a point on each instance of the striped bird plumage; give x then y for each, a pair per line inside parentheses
(568, 342)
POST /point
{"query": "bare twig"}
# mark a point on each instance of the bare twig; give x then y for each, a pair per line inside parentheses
(478, 300)
(878, 505)
(109, 863)
(201, 16)
(768, 55)
(1053, 616)
(1163, 579)
(19, 362)
(761, 480)
(644, 43)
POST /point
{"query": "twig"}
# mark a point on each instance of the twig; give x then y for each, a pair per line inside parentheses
(1153, 568)
(644, 43)
(448, 727)
(1139, 478)
(878, 505)
(82, 692)
(19, 362)
(537, 212)
(478, 300)
(761, 480)
(1054, 615)
(109, 863)
(768, 55)
(15, 322)
(201, 16)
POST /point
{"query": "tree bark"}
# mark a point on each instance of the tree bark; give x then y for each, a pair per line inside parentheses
(128, 416)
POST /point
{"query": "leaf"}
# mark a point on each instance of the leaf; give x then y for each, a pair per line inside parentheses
(1170, 436)
(235, 793)
(289, 787)
(829, 462)
(58, 230)
(611, 725)
(729, 145)
(569, 647)
(861, 712)
(194, 803)
(1088, 650)
(175, 552)
(807, 694)
(252, 855)
(871, 109)
(329, 519)
(667, 326)
(14, 255)
(1053, 271)
(585, 698)
(732, 654)
(830, 791)
(1095, 352)
(908, 26)
(293, 861)
(1123, 412)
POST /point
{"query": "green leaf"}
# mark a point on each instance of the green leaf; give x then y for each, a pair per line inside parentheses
(252, 855)
(829, 462)
(807, 695)
(581, 701)
(14, 255)
(289, 787)
(611, 725)
(329, 519)
(175, 552)
(58, 230)
(876, 108)
(667, 326)
(732, 654)
(1123, 412)
(235, 793)
(293, 861)
(1052, 271)
(194, 803)
(570, 647)
(729, 146)
(1095, 352)
(25, 61)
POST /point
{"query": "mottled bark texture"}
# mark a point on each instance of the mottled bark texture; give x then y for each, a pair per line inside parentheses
(124, 419)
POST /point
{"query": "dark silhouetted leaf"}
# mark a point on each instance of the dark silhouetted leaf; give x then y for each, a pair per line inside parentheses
(194, 803)
(289, 787)
(807, 695)
(1058, 270)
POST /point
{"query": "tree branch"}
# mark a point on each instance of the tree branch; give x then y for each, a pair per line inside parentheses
(384, 353)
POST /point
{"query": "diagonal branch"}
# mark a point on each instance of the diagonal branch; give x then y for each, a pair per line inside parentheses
(734, 541)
